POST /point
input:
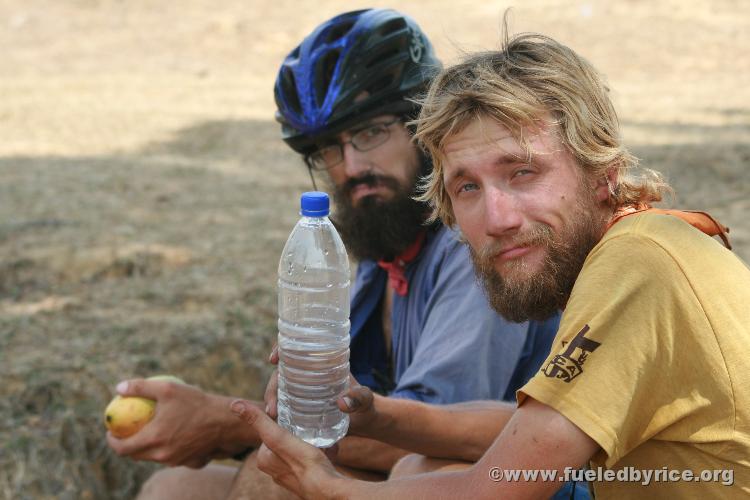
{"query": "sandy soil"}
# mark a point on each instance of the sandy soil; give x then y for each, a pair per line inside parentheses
(145, 195)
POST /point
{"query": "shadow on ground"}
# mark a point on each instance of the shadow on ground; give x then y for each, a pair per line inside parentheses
(163, 260)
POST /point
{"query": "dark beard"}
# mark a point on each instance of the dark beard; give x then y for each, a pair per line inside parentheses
(377, 229)
(521, 297)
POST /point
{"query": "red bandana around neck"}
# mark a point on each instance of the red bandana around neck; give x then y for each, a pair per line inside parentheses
(397, 267)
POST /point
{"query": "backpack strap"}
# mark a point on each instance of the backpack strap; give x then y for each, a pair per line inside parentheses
(699, 220)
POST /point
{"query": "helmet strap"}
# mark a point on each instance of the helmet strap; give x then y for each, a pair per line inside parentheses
(310, 171)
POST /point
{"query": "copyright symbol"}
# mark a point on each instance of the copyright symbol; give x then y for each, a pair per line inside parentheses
(496, 474)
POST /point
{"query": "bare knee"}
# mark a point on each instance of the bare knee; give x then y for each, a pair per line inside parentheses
(409, 465)
(213, 481)
(413, 464)
(251, 483)
(159, 485)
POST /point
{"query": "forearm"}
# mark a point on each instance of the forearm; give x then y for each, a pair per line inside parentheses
(367, 454)
(461, 431)
(537, 438)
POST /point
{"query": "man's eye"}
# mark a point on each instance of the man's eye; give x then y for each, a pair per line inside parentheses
(469, 186)
(372, 131)
(521, 172)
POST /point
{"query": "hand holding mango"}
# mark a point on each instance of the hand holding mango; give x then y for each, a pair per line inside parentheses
(125, 416)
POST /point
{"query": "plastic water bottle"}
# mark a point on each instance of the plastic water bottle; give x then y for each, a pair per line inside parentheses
(313, 327)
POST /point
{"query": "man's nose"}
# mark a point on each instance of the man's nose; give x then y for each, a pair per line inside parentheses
(356, 163)
(502, 212)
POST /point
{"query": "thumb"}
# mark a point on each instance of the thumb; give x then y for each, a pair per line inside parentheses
(140, 387)
(358, 399)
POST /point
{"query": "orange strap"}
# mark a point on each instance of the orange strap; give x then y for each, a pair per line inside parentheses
(699, 220)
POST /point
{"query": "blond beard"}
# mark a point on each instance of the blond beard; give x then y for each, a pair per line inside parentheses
(520, 294)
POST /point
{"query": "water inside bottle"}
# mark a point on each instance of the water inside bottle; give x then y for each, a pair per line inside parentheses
(313, 338)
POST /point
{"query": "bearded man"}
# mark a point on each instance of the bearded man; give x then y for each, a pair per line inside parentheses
(421, 327)
(647, 379)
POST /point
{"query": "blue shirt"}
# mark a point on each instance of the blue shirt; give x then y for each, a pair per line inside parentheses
(448, 344)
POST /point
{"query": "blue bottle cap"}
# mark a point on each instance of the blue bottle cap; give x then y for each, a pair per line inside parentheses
(314, 204)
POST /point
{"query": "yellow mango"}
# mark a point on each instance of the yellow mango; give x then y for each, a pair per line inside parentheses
(124, 416)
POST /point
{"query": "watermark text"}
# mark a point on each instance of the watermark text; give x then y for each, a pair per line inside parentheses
(627, 474)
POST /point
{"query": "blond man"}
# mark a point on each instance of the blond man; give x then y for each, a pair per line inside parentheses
(647, 370)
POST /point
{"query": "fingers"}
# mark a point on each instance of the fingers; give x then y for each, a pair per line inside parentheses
(263, 425)
(115, 444)
(277, 439)
(270, 396)
(171, 410)
(358, 399)
(292, 463)
(332, 452)
(197, 463)
(131, 446)
(273, 358)
(267, 460)
(281, 473)
(150, 445)
(144, 445)
(186, 429)
(151, 389)
(273, 385)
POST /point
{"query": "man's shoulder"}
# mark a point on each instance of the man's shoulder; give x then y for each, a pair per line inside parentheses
(647, 225)
(655, 226)
(651, 252)
(445, 241)
(649, 233)
(445, 254)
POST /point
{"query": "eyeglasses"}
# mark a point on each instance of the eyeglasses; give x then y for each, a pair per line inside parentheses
(366, 139)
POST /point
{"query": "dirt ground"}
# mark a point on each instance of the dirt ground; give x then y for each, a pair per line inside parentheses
(145, 195)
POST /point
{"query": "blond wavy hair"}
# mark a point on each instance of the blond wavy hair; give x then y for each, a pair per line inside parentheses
(531, 79)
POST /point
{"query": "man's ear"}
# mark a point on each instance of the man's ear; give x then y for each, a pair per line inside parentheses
(606, 185)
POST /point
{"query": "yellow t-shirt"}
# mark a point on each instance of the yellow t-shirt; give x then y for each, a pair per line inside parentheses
(651, 359)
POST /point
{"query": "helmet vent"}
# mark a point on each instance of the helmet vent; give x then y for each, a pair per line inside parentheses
(354, 66)
(324, 74)
(290, 86)
(383, 56)
(338, 31)
(383, 82)
(392, 26)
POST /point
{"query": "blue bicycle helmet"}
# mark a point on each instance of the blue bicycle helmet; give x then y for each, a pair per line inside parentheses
(355, 66)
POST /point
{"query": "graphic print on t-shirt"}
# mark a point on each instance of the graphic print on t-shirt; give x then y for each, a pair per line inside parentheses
(569, 364)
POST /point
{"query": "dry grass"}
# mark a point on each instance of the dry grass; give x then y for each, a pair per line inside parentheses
(145, 196)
